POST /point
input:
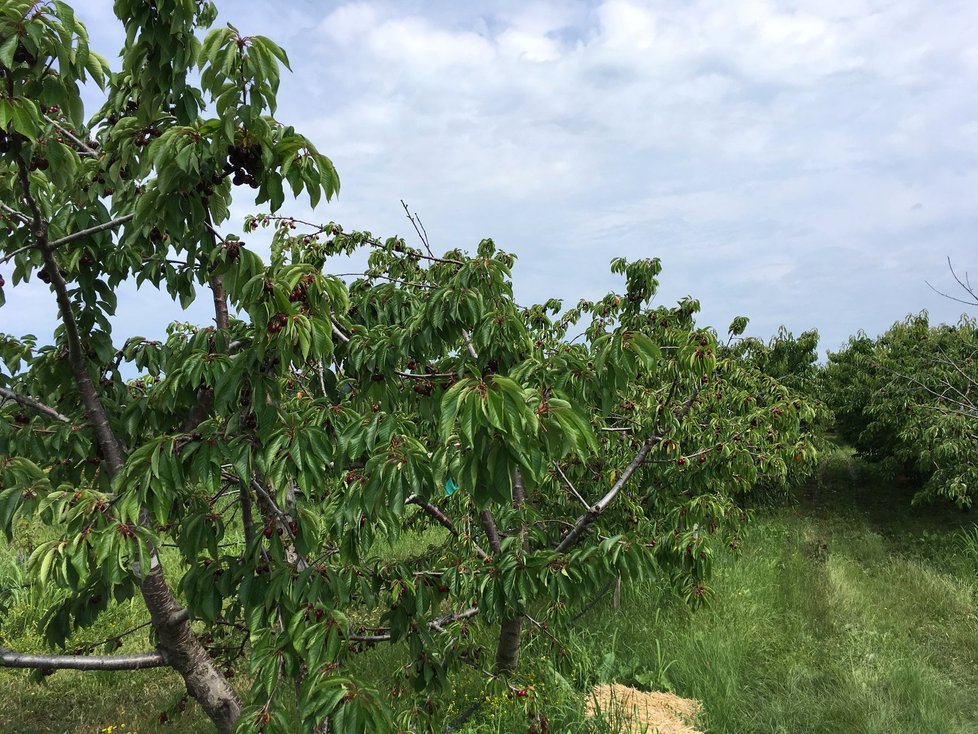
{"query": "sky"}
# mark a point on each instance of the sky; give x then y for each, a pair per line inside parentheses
(811, 164)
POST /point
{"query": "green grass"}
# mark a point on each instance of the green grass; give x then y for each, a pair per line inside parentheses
(71, 702)
(836, 617)
(849, 611)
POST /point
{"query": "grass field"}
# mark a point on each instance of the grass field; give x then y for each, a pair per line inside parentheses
(846, 611)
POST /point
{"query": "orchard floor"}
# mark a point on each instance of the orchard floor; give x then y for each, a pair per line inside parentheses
(847, 612)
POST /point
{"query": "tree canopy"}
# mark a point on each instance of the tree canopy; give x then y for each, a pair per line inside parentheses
(282, 448)
(905, 401)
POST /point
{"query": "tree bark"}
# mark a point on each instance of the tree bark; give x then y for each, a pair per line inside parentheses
(221, 318)
(508, 646)
(510, 632)
(138, 661)
(183, 652)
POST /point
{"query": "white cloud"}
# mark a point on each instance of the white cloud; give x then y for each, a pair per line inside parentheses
(806, 161)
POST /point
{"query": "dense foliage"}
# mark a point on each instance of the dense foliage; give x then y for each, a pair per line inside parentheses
(793, 362)
(905, 400)
(317, 420)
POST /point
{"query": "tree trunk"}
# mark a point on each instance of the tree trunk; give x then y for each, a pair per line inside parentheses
(184, 653)
(177, 642)
(510, 632)
(508, 647)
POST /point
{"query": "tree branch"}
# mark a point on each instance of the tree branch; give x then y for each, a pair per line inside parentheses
(84, 147)
(80, 234)
(436, 625)
(139, 661)
(336, 331)
(592, 514)
(33, 405)
(183, 651)
(492, 532)
(425, 376)
(468, 343)
(221, 317)
(15, 214)
(418, 227)
(965, 286)
(97, 418)
(442, 519)
(571, 487)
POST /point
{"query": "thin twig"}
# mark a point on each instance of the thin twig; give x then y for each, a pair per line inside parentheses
(114, 638)
(965, 285)
(571, 487)
(418, 227)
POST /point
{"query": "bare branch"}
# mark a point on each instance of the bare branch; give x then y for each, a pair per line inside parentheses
(468, 343)
(15, 214)
(139, 661)
(425, 375)
(965, 286)
(267, 500)
(418, 227)
(436, 625)
(337, 332)
(571, 487)
(968, 408)
(543, 628)
(111, 224)
(371, 241)
(373, 276)
(592, 514)
(33, 405)
(950, 297)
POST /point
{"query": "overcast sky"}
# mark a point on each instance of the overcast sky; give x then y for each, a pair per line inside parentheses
(802, 163)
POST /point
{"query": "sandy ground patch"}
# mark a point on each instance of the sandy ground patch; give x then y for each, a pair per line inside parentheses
(661, 713)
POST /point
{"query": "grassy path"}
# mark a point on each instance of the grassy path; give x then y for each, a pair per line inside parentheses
(859, 620)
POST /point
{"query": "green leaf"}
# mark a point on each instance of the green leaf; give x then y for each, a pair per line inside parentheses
(26, 118)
